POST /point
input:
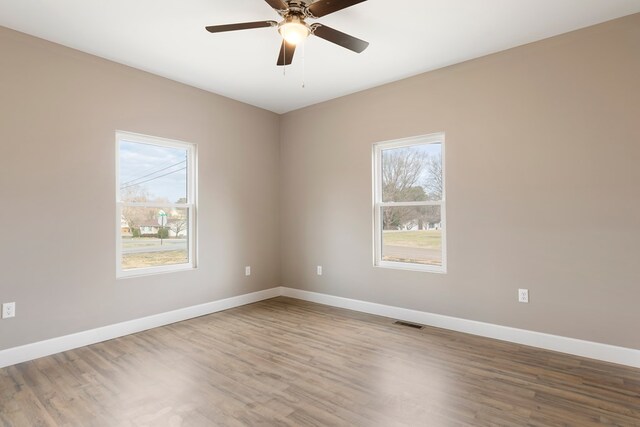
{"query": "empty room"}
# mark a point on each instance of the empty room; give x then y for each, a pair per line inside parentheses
(319, 213)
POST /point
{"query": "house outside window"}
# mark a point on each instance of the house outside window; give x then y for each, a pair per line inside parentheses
(409, 204)
(155, 205)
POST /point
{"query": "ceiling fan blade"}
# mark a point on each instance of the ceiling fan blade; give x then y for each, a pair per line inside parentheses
(286, 53)
(324, 7)
(242, 26)
(339, 38)
(277, 4)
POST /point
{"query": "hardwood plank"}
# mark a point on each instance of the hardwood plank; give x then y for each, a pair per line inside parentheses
(285, 362)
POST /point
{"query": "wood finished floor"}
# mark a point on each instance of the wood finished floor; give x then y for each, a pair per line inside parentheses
(292, 363)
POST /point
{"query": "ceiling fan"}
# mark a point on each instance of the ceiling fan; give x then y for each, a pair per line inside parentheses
(294, 29)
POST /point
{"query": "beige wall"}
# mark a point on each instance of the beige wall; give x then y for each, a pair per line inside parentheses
(543, 175)
(59, 109)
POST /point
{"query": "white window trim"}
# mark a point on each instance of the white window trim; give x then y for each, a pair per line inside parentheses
(192, 194)
(378, 204)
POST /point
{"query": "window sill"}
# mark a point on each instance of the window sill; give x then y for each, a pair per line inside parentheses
(154, 271)
(411, 267)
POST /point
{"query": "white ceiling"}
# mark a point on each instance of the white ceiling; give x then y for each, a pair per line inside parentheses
(408, 37)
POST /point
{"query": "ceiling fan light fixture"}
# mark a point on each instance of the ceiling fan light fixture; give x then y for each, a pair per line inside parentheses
(294, 31)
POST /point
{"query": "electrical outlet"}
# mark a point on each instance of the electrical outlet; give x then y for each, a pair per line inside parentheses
(247, 270)
(319, 270)
(8, 310)
(523, 295)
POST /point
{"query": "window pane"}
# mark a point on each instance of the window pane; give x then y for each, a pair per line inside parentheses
(412, 234)
(152, 173)
(152, 237)
(412, 174)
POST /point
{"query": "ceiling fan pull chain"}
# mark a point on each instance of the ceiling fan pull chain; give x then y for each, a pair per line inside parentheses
(304, 56)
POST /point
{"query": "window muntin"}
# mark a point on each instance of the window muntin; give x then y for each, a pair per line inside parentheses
(409, 204)
(155, 205)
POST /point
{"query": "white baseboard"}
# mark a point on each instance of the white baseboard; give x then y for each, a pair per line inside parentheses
(39, 349)
(592, 350)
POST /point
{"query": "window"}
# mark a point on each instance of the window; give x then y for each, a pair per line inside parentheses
(409, 204)
(155, 204)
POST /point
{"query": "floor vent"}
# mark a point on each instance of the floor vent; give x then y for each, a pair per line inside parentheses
(410, 325)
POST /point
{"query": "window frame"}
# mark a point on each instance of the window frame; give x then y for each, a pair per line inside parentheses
(378, 203)
(191, 204)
